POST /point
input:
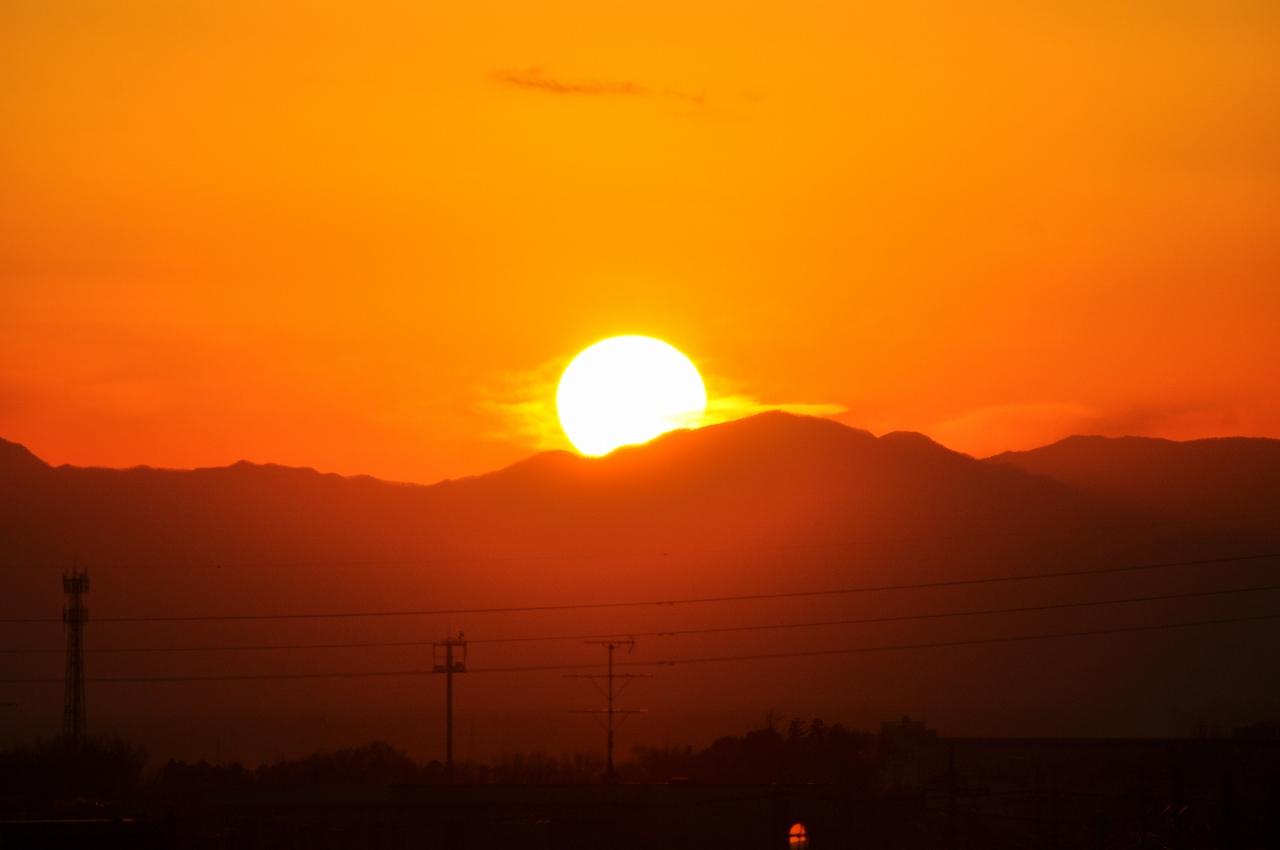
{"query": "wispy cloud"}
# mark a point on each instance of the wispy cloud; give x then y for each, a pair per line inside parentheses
(729, 407)
(520, 407)
(535, 79)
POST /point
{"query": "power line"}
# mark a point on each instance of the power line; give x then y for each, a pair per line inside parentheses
(673, 662)
(907, 617)
(671, 602)
(655, 553)
(941, 644)
(678, 632)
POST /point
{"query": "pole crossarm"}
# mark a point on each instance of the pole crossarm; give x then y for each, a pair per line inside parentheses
(610, 693)
(445, 661)
(74, 724)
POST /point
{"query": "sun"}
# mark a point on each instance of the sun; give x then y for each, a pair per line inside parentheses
(625, 390)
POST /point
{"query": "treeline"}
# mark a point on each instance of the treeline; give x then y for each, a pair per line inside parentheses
(101, 769)
(805, 752)
(113, 770)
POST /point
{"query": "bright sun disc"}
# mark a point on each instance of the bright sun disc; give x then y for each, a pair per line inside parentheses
(628, 389)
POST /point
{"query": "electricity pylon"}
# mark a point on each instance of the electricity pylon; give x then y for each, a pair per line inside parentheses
(444, 662)
(75, 584)
(609, 693)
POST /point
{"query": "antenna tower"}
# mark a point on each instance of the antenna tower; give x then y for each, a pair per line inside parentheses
(444, 661)
(75, 584)
(610, 693)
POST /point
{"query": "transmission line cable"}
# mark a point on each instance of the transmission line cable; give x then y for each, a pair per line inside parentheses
(654, 553)
(672, 662)
(680, 632)
(697, 600)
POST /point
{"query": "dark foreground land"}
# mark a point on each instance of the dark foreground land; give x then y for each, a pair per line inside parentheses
(962, 793)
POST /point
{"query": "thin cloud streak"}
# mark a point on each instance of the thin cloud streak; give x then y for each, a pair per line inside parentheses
(535, 79)
(521, 409)
(729, 407)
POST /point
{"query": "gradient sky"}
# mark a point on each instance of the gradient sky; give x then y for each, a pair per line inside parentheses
(365, 236)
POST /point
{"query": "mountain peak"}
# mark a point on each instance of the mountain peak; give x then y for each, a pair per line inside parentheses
(15, 457)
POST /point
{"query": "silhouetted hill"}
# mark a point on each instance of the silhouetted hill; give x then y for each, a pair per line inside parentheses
(17, 460)
(770, 504)
(1235, 478)
(769, 480)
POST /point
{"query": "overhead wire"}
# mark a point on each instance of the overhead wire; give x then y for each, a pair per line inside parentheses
(666, 552)
(679, 632)
(673, 662)
(583, 606)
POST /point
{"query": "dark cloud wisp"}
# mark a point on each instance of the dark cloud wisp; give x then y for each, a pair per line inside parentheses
(536, 79)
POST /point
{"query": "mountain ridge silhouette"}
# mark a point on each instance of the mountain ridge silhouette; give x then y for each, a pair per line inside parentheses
(1196, 478)
(773, 503)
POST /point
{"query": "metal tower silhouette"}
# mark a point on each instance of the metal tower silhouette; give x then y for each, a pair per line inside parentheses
(75, 584)
(609, 693)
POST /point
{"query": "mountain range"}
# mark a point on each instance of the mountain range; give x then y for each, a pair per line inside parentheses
(766, 506)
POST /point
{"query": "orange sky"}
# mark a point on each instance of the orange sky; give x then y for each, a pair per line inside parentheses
(364, 236)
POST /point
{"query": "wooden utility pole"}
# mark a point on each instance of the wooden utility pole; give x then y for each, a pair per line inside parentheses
(1142, 809)
(75, 584)
(1053, 807)
(610, 693)
(951, 796)
(445, 662)
(1037, 828)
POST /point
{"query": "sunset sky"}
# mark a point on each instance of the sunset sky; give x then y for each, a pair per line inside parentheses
(366, 237)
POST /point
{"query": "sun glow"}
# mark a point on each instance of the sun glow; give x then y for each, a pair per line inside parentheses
(625, 390)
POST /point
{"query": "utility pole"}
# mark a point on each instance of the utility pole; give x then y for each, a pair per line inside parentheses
(1037, 830)
(1142, 809)
(610, 693)
(75, 584)
(1178, 839)
(444, 662)
(951, 795)
(1053, 807)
